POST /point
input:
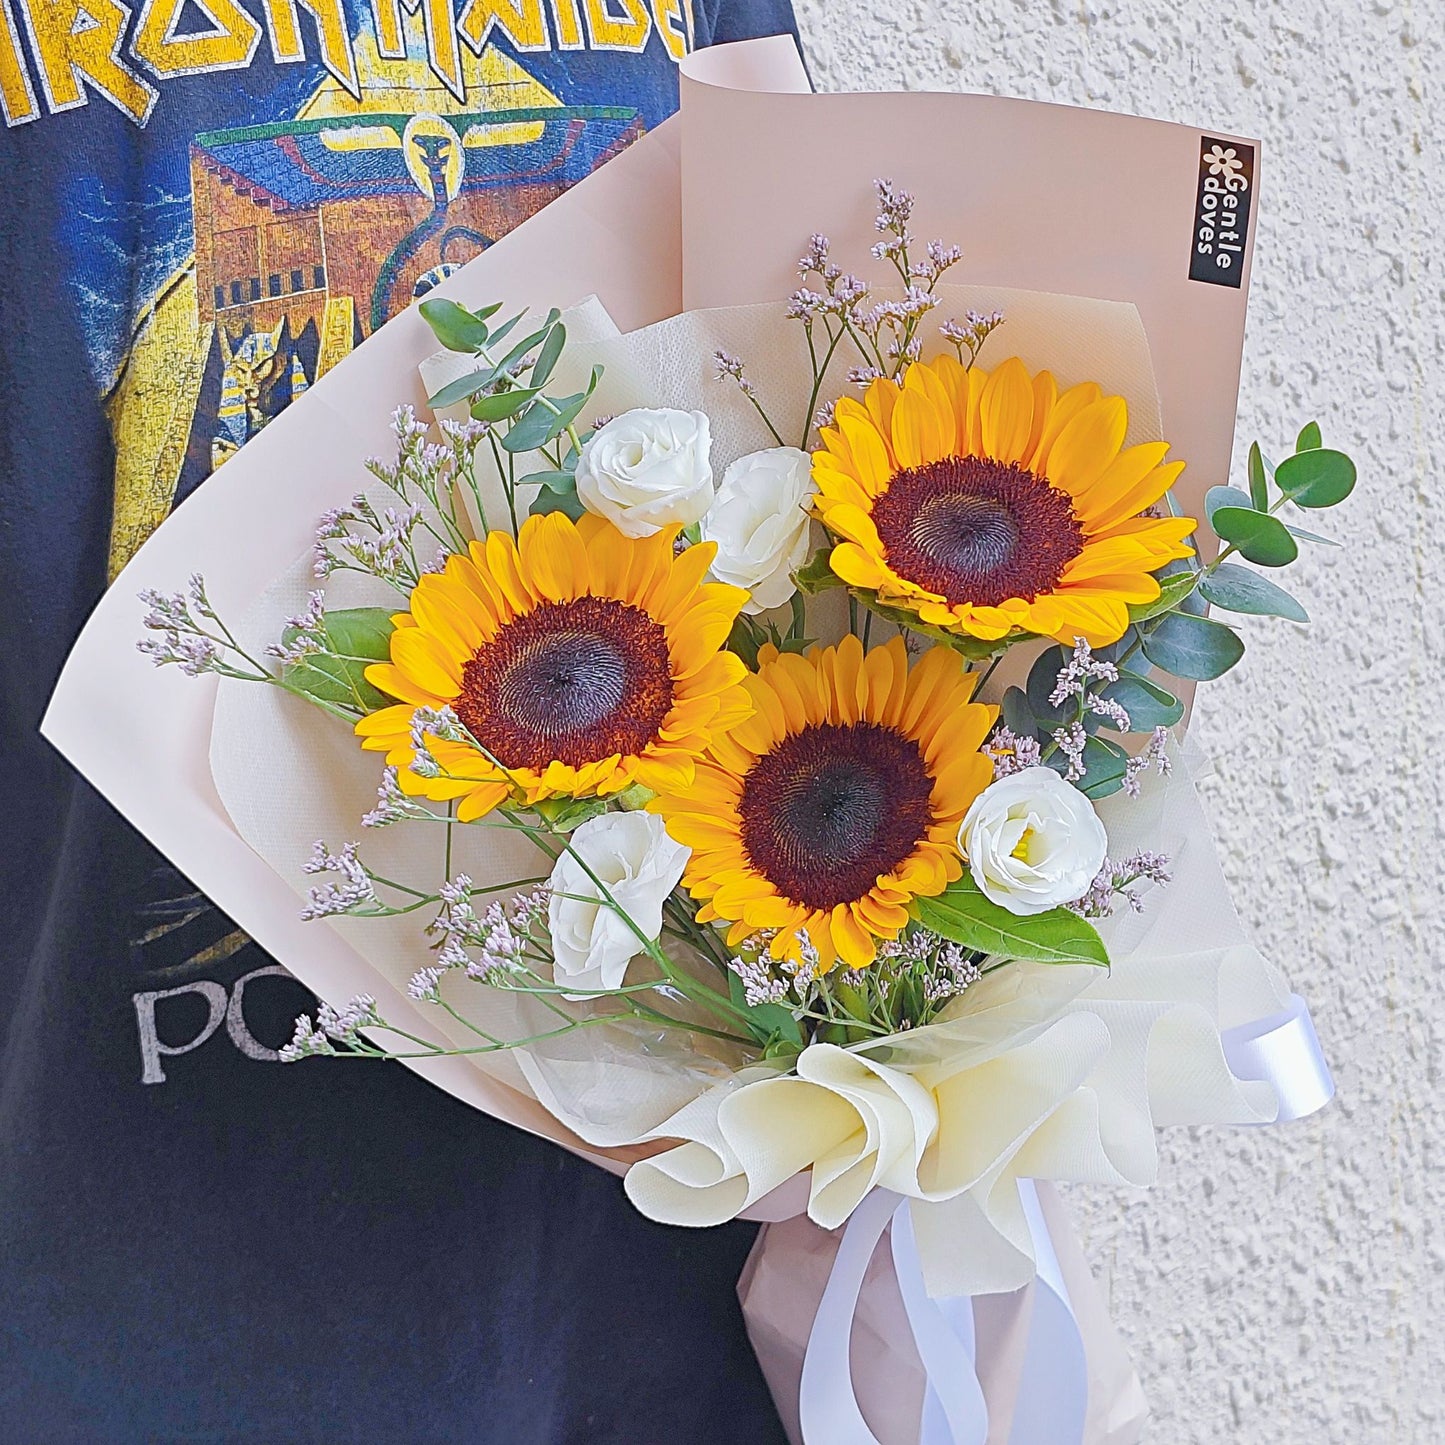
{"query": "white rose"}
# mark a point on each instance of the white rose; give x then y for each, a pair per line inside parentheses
(647, 469)
(760, 524)
(640, 865)
(1032, 841)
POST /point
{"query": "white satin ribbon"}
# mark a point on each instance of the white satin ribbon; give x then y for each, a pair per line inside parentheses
(1283, 1050)
(1051, 1405)
(1053, 1392)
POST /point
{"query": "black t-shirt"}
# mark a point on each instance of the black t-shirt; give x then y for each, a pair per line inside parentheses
(203, 204)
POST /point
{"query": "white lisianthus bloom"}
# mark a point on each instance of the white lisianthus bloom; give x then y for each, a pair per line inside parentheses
(1032, 841)
(640, 864)
(760, 524)
(648, 469)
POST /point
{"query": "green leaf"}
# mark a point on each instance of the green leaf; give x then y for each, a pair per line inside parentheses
(1217, 497)
(1148, 705)
(568, 503)
(462, 388)
(745, 639)
(1173, 591)
(815, 575)
(506, 328)
(1258, 481)
(770, 1021)
(1017, 715)
(540, 423)
(1317, 478)
(1043, 678)
(527, 342)
(566, 814)
(1104, 765)
(1256, 535)
(553, 481)
(499, 405)
(547, 357)
(1311, 537)
(1197, 648)
(454, 326)
(974, 648)
(963, 914)
(356, 637)
(1309, 438)
(1237, 589)
(361, 632)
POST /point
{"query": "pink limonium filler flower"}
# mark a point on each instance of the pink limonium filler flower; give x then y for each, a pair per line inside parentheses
(1072, 740)
(1078, 672)
(1116, 879)
(193, 637)
(352, 889)
(1155, 754)
(308, 630)
(1012, 753)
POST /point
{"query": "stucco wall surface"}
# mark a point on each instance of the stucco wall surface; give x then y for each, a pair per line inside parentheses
(1289, 1284)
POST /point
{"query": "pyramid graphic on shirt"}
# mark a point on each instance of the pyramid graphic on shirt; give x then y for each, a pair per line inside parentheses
(312, 230)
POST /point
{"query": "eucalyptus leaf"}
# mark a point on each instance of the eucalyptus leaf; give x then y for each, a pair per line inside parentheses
(1103, 762)
(506, 328)
(1311, 537)
(568, 503)
(1148, 705)
(1043, 678)
(1217, 497)
(1237, 589)
(1309, 438)
(1197, 648)
(1258, 482)
(547, 418)
(1256, 535)
(463, 388)
(499, 405)
(454, 326)
(1104, 767)
(553, 481)
(1316, 478)
(1017, 716)
(528, 342)
(547, 356)
(962, 913)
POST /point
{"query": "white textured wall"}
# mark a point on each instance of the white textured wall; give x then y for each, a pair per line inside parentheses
(1288, 1285)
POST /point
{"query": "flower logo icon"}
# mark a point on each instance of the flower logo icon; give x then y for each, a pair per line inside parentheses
(1223, 161)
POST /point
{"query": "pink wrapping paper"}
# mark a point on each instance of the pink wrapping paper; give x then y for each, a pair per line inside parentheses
(1041, 197)
(783, 1281)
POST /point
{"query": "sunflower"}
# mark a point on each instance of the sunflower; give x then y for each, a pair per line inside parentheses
(581, 660)
(991, 503)
(838, 801)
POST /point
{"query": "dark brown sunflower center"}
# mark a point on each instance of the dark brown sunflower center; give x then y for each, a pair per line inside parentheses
(976, 530)
(573, 682)
(833, 807)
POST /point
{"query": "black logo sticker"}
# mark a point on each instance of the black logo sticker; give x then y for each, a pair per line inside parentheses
(1221, 212)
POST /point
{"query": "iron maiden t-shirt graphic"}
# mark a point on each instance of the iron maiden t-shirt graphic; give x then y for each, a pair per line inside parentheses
(275, 219)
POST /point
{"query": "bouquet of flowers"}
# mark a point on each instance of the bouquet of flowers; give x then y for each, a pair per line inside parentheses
(769, 721)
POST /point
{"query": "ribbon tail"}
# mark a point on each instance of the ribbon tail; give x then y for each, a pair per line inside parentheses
(954, 1411)
(828, 1410)
(1053, 1394)
(1283, 1050)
